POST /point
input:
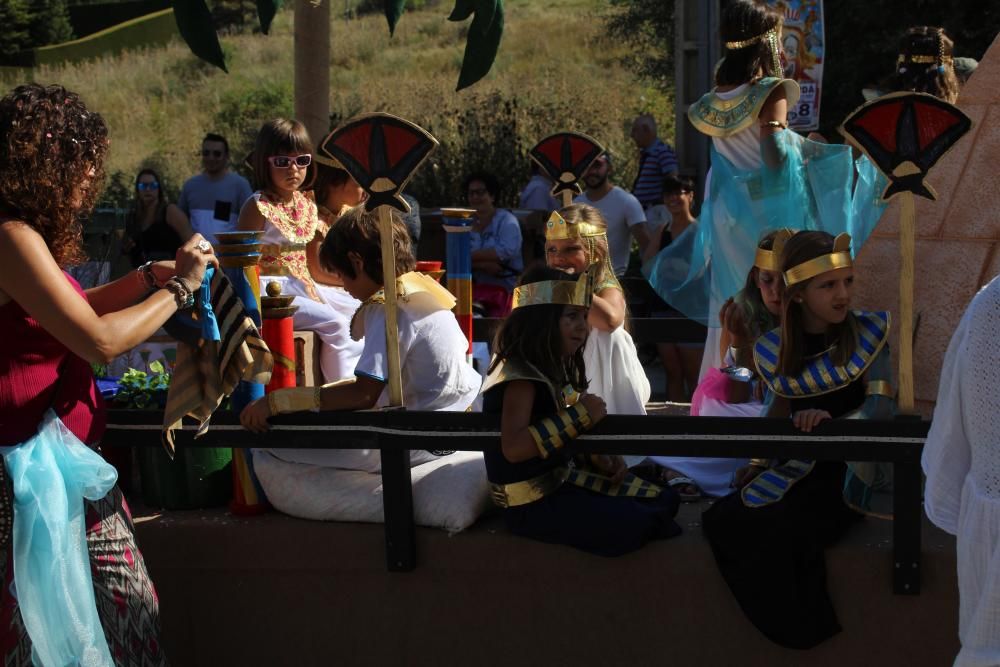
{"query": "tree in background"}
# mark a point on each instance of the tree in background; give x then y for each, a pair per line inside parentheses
(649, 26)
(48, 22)
(14, 19)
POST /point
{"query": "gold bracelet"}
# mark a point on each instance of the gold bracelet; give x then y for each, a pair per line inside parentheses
(879, 388)
(293, 399)
(774, 123)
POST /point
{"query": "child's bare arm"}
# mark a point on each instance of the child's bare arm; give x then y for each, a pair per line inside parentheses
(516, 441)
(361, 394)
(607, 310)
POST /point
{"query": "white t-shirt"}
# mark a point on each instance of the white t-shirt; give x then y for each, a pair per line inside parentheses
(621, 211)
(436, 375)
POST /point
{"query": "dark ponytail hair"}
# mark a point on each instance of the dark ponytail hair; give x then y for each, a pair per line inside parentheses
(743, 20)
(937, 77)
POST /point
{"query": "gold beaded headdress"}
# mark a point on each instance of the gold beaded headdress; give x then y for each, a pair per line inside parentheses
(557, 229)
(840, 258)
(941, 59)
(771, 37)
(560, 292)
(770, 260)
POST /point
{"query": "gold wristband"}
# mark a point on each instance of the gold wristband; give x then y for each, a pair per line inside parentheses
(293, 399)
(879, 388)
(760, 463)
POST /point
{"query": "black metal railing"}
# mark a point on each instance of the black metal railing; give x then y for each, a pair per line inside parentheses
(395, 432)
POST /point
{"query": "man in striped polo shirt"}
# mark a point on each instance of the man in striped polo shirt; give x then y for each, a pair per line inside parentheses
(656, 161)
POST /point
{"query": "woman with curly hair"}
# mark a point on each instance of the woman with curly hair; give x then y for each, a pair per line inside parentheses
(84, 596)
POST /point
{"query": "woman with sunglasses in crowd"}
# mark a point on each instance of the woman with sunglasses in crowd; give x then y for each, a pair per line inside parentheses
(283, 164)
(155, 228)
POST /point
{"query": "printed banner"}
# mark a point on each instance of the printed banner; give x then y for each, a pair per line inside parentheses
(803, 42)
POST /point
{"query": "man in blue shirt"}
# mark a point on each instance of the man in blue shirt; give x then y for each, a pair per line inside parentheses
(656, 161)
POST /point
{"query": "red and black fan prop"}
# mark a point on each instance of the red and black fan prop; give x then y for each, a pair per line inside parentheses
(904, 135)
(565, 157)
(381, 152)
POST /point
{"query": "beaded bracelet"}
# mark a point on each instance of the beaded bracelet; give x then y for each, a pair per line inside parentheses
(183, 296)
(146, 277)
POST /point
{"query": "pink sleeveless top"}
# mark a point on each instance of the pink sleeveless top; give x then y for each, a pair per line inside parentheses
(38, 372)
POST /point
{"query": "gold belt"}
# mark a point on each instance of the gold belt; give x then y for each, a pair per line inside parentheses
(276, 259)
(530, 490)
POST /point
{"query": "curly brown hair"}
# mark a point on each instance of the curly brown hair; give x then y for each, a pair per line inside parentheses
(49, 141)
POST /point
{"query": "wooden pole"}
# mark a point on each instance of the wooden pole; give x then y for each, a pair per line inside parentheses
(312, 66)
(395, 379)
(567, 197)
(907, 249)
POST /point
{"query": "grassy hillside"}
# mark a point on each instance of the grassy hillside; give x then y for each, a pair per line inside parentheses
(555, 71)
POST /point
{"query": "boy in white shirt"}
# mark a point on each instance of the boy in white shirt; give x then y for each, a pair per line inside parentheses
(435, 374)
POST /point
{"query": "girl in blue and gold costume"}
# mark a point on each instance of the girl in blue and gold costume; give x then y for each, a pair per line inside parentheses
(763, 176)
(823, 362)
(538, 384)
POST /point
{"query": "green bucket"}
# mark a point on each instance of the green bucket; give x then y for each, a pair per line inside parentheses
(197, 477)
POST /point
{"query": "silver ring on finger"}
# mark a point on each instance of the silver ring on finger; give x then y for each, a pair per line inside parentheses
(204, 246)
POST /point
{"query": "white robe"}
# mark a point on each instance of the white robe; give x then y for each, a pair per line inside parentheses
(962, 462)
(616, 375)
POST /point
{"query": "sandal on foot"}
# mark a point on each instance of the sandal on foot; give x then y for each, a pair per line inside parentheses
(680, 481)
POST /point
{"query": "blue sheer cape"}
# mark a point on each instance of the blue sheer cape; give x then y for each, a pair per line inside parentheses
(817, 187)
(52, 473)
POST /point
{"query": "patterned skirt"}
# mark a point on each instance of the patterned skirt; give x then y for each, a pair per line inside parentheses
(126, 600)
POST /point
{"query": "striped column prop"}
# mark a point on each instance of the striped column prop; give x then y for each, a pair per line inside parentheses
(239, 255)
(279, 334)
(458, 265)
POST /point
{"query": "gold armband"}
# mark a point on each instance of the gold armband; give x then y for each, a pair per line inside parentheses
(774, 123)
(293, 399)
(552, 433)
(879, 388)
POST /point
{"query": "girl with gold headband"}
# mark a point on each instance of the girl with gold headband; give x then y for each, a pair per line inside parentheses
(576, 238)
(763, 176)
(538, 384)
(735, 390)
(823, 362)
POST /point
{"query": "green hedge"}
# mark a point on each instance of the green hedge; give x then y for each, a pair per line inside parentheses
(150, 30)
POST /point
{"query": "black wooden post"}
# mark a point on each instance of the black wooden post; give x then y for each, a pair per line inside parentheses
(907, 507)
(397, 502)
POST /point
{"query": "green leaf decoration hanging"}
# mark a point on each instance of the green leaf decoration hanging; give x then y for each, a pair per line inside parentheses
(483, 41)
(463, 10)
(393, 10)
(194, 22)
(266, 9)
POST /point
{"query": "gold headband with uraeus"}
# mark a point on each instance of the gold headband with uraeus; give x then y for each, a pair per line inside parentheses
(558, 229)
(840, 258)
(770, 260)
(559, 292)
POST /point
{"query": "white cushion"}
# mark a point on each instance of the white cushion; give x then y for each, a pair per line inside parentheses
(449, 492)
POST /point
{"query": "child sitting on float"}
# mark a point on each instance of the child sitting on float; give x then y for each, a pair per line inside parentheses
(538, 384)
(825, 361)
(282, 162)
(735, 390)
(435, 376)
(576, 238)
